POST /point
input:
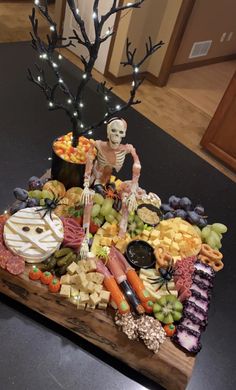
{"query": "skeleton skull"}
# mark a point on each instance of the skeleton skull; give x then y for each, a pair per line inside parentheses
(116, 130)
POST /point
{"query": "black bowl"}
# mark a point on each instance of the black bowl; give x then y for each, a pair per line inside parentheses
(152, 208)
(140, 254)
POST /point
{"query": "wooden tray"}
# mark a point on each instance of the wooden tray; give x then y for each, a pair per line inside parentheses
(171, 367)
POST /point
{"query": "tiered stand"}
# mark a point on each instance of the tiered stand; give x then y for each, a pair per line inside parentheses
(171, 367)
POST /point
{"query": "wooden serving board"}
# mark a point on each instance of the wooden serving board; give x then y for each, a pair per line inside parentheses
(171, 367)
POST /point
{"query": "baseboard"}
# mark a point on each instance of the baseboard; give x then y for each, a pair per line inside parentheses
(196, 64)
(128, 78)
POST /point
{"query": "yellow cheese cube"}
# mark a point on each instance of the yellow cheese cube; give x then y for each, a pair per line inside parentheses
(65, 291)
(106, 241)
(175, 246)
(83, 286)
(154, 234)
(183, 228)
(166, 241)
(83, 297)
(94, 299)
(74, 300)
(178, 237)
(102, 305)
(98, 288)
(156, 242)
(115, 239)
(72, 268)
(145, 233)
(100, 232)
(98, 278)
(91, 265)
(74, 292)
(90, 307)
(175, 258)
(121, 245)
(65, 279)
(106, 226)
(105, 296)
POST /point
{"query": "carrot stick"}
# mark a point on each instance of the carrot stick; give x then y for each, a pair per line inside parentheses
(138, 285)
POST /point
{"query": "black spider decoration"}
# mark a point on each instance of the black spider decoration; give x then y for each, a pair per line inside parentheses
(50, 205)
(166, 275)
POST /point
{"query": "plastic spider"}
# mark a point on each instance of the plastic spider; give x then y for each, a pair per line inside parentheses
(109, 191)
(50, 205)
(166, 275)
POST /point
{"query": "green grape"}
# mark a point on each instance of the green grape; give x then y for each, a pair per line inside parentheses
(109, 218)
(106, 207)
(118, 217)
(101, 218)
(114, 213)
(35, 194)
(219, 228)
(212, 242)
(95, 210)
(131, 217)
(138, 231)
(97, 221)
(198, 230)
(98, 199)
(206, 231)
(216, 237)
(47, 194)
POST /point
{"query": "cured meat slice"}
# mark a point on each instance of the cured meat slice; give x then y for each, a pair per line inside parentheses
(4, 257)
(187, 339)
(15, 265)
(73, 233)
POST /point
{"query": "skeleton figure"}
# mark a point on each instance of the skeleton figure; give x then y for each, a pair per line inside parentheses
(111, 155)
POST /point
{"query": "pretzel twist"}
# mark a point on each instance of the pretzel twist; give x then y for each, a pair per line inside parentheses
(211, 257)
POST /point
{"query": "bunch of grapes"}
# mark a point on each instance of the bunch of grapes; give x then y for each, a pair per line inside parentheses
(103, 210)
(212, 235)
(183, 208)
(135, 225)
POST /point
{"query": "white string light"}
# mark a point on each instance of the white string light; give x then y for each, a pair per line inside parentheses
(105, 122)
(52, 28)
(90, 132)
(81, 104)
(118, 107)
(136, 69)
(5, 212)
(50, 104)
(36, 2)
(75, 113)
(54, 65)
(60, 81)
(94, 15)
(77, 11)
(84, 76)
(106, 98)
(49, 158)
(129, 4)
(81, 125)
(69, 101)
(106, 114)
(108, 31)
(39, 78)
(133, 83)
(60, 57)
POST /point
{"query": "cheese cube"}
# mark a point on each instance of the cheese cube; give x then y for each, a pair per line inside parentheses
(81, 277)
(79, 269)
(105, 296)
(154, 234)
(83, 286)
(65, 291)
(91, 265)
(106, 241)
(156, 242)
(90, 287)
(166, 241)
(183, 228)
(83, 297)
(146, 233)
(178, 237)
(90, 306)
(94, 299)
(74, 300)
(115, 239)
(72, 268)
(74, 292)
(175, 258)
(174, 245)
(121, 245)
(106, 226)
(100, 232)
(81, 306)
(102, 305)
(89, 276)
(65, 279)
(98, 278)
(98, 288)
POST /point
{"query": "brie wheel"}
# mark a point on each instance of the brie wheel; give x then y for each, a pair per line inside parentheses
(29, 235)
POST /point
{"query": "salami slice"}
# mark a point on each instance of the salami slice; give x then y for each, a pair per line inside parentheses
(4, 257)
(15, 265)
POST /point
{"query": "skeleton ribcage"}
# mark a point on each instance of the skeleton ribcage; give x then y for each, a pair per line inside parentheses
(120, 157)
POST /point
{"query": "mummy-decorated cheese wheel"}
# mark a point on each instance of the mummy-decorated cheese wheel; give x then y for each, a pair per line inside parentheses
(32, 236)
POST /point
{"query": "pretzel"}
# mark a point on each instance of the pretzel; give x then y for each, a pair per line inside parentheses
(211, 257)
(163, 257)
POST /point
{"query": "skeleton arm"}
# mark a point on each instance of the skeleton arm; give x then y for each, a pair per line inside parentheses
(131, 200)
(87, 175)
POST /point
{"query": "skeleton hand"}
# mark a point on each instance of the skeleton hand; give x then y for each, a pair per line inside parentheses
(84, 249)
(131, 202)
(87, 195)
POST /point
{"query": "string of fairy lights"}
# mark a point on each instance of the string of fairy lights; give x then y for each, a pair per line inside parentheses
(71, 100)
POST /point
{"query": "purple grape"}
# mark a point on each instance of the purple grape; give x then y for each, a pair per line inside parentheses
(165, 207)
(20, 194)
(202, 223)
(193, 217)
(180, 213)
(199, 210)
(32, 202)
(174, 201)
(185, 204)
(168, 215)
(17, 205)
(35, 183)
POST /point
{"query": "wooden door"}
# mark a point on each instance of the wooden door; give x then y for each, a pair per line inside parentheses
(220, 136)
(86, 12)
